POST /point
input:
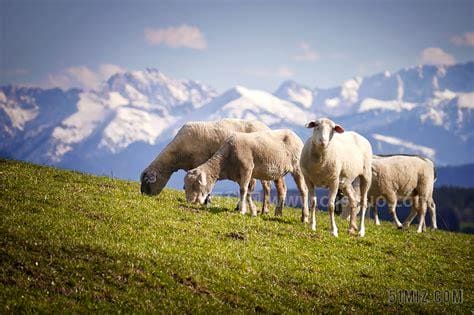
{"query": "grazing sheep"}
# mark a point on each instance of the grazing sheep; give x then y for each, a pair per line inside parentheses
(408, 177)
(264, 155)
(333, 159)
(194, 144)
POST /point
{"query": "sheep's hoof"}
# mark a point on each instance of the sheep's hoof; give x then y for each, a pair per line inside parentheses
(313, 227)
(352, 231)
(305, 219)
(265, 211)
(362, 233)
(334, 233)
(401, 227)
(253, 211)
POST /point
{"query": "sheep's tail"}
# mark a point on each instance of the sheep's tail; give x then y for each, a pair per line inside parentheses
(434, 169)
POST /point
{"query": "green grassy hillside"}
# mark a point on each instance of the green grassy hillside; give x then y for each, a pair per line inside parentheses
(79, 243)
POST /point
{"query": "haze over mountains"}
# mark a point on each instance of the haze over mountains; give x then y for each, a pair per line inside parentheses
(119, 128)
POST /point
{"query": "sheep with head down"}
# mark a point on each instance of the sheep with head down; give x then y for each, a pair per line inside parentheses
(264, 155)
(333, 159)
(194, 144)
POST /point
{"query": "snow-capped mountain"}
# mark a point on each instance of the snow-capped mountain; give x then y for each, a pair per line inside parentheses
(396, 92)
(119, 128)
(295, 93)
(425, 110)
(244, 103)
(130, 107)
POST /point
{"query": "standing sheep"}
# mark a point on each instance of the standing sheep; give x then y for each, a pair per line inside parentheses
(194, 144)
(333, 159)
(396, 177)
(264, 155)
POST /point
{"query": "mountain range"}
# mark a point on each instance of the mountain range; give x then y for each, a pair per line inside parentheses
(120, 127)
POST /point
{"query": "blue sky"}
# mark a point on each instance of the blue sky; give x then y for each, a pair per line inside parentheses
(257, 44)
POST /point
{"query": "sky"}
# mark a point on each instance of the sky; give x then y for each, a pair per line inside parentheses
(257, 44)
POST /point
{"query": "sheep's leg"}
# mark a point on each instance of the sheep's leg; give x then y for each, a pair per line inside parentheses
(301, 184)
(346, 209)
(266, 196)
(392, 205)
(364, 190)
(392, 208)
(413, 212)
(376, 214)
(313, 200)
(281, 191)
(432, 208)
(350, 193)
(410, 218)
(251, 189)
(422, 212)
(332, 199)
(244, 186)
(243, 197)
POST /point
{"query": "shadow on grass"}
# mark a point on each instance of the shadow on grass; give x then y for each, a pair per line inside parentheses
(285, 220)
(200, 208)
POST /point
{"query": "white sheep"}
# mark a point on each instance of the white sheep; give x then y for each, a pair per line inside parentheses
(407, 177)
(194, 144)
(265, 155)
(333, 159)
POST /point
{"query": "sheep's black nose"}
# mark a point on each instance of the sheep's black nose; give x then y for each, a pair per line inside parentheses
(208, 200)
(145, 189)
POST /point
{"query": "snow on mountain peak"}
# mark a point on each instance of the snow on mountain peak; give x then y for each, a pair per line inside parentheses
(349, 91)
(426, 151)
(131, 125)
(91, 111)
(296, 93)
(466, 100)
(132, 106)
(395, 105)
(441, 71)
(243, 103)
(153, 89)
(332, 102)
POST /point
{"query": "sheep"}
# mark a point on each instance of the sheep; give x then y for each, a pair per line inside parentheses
(264, 155)
(333, 159)
(194, 144)
(409, 177)
(372, 202)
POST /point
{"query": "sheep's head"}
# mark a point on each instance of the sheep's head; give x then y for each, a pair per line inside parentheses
(152, 181)
(323, 131)
(197, 186)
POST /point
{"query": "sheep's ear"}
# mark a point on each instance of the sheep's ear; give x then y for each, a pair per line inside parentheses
(311, 124)
(202, 179)
(339, 129)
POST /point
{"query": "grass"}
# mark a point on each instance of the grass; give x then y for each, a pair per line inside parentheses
(79, 243)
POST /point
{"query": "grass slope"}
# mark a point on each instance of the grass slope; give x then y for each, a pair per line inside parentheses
(79, 243)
